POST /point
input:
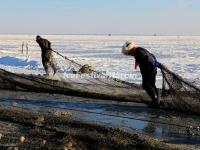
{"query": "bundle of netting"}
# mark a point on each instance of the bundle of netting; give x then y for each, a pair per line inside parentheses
(87, 74)
(179, 93)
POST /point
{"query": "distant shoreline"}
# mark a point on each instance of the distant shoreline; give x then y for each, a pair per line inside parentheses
(31, 34)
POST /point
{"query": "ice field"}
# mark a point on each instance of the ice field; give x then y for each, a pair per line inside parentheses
(179, 53)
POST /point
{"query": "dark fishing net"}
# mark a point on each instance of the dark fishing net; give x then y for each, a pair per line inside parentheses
(95, 77)
(180, 93)
(177, 93)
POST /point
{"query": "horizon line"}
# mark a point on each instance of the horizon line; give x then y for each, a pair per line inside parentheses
(108, 34)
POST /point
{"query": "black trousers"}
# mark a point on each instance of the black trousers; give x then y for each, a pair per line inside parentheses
(149, 82)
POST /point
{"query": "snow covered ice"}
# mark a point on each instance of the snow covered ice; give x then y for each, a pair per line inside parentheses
(179, 53)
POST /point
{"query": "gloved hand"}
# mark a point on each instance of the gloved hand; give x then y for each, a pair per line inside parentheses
(155, 63)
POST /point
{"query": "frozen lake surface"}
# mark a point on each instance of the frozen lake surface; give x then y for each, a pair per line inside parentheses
(179, 53)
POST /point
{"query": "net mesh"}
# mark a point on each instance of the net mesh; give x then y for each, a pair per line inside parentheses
(181, 94)
(95, 78)
(176, 93)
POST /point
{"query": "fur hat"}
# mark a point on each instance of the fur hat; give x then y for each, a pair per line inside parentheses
(127, 47)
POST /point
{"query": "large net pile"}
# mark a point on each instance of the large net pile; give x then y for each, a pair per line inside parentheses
(180, 93)
(69, 80)
(176, 93)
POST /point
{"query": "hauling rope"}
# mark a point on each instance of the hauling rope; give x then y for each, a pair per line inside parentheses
(78, 66)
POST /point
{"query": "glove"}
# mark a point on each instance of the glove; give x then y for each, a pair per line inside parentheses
(155, 63)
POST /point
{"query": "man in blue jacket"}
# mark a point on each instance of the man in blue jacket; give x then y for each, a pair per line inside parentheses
(148, 68)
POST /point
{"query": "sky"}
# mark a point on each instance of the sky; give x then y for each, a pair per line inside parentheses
(134, 17)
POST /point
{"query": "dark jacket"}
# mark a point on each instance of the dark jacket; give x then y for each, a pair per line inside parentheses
(145, 59)
(45, 46)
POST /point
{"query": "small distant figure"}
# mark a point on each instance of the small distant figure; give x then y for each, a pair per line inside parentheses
(47, 57)
(148, 68)
(22, 47)
(25, 44)
(109, 34)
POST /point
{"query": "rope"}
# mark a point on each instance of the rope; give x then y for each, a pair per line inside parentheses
(65, 57)
(97, 72)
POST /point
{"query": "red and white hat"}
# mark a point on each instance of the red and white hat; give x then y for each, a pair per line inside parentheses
(127, 47)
